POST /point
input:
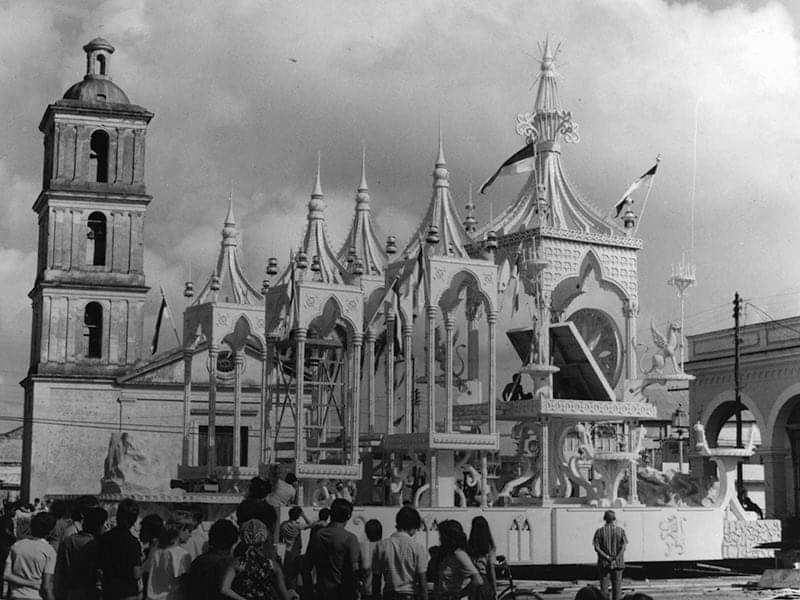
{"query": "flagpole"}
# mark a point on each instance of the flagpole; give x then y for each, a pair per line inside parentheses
(646, 196)
(171, 320)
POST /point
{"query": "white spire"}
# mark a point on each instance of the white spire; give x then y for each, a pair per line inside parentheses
(317, 186)
(362, 187)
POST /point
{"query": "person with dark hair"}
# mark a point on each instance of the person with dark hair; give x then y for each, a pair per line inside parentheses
(205, 575)
(481, 550)
(7, 537)
(335, 555)
(58, 508)
(31, 562)
(400, 561)
(323, 517)
(121, 556)
(256, 575)
(609, 544)
(289, 534)
(373, 531)
(169, 563)
(259, 488)
(78, 512)
(637, 596)
(252, 508)
(589, 592)
(77, 565)
(456, 575)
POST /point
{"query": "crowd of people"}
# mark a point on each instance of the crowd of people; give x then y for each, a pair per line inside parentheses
(82, 554)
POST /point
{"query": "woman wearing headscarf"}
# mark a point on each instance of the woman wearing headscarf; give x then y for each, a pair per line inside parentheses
(256, 575)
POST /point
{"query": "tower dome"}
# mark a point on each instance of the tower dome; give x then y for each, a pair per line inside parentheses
(97, 87)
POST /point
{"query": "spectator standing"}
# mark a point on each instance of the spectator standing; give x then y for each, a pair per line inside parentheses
(284, 491)
(207, 570)
(58, 508)
(456, 575)
(198, 537)
(82, 504)
(121, 556)
(7, 538)
(31, 562)
(373, 530)
(290, 535)
(170, 563)
(305, 562)
(400, 561)
(481, 550)
(256, 575)
(335, 555)
(609, 544)
(78, 561)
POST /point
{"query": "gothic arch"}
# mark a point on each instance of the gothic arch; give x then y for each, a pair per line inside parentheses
(571, 285)
(717, 412)
(773, 433)
(461, 280)
(330, 313)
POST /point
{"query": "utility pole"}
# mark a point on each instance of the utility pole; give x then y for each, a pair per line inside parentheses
(737, 309)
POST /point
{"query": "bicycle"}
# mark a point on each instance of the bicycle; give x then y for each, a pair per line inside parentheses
(510, 591)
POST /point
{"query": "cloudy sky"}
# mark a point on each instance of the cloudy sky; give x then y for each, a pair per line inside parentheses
(246, 93)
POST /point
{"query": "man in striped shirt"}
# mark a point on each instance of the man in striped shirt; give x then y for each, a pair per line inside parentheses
(609, 543)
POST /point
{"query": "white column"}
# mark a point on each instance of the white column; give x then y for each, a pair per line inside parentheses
(391, 323)
(491, 318)
(408, 332)
(212, 410)
(266, 403)
(431, 356)
(369, 351)
(355, 398)
(449, 323)
(187, 406)
(299, 432)
(544, 442)
(238, 361)
(630, 310)
(484, 479)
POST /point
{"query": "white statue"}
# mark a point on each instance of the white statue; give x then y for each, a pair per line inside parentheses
(667, 347)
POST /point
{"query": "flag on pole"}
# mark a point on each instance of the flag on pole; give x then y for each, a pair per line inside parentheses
(519, 162)
(643, 180)
(162, 311)
(515, 274)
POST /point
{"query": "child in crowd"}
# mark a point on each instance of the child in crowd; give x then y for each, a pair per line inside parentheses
(31, 562)
(169, 563)
(456, 575)
(205, 575)
(481, 550)
(374, 532)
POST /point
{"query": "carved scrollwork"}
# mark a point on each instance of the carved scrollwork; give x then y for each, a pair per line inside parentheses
(569, 129)
(526, 128)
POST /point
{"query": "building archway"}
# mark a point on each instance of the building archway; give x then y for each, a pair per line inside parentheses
(785, 456)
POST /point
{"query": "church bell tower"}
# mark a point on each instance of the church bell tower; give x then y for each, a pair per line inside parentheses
(88, 297)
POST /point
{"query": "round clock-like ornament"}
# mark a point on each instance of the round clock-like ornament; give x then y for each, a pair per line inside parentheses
(601, 335)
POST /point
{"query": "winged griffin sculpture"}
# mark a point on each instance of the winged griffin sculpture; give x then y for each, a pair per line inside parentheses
(667, 347)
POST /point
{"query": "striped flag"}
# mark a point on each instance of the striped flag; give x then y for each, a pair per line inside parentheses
(519, 162)
(643, 180)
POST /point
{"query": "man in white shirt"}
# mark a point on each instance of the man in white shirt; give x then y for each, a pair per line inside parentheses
(32, 561)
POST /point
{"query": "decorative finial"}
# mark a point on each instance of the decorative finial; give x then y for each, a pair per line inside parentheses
(317, 185)
(362, 187)
(470, 222)
(440, 159)
(229, 219)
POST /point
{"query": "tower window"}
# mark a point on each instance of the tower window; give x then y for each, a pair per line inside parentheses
(96, 246)
(93, 329)
(101, 64)
(98, 156)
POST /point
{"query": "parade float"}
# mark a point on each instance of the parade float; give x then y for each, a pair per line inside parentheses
(377, 371)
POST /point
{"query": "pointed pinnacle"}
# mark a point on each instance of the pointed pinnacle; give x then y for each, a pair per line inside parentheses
(317, 186)
(362, 187)
(440, 159)
(229, 219)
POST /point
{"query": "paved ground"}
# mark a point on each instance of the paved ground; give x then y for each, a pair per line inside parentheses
(732, 587)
